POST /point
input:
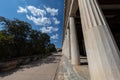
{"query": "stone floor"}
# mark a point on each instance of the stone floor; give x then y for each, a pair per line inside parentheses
(66, 71)
(83, 70)
(39, 70)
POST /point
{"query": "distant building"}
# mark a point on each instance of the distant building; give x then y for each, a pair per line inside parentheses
(92, 28)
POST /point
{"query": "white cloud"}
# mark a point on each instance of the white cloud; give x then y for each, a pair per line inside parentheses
(36, 11)
(39, 16)
(55, 41)
(39, 20)
(52, 11)
(56, 21)
(49, 29)
(54, 36)
(45, 30)
(53, 28)
(21, 10)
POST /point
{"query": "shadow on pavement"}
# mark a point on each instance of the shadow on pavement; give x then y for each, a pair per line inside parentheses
(50, 59)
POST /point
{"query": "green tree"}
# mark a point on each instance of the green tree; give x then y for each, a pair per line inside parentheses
(18, 39)
(6, 44)
(52, 48)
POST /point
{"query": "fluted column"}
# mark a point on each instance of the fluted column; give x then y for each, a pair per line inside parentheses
(63, 47)
(66, 53)
(68, 44)
(75, 57)
(102, 52)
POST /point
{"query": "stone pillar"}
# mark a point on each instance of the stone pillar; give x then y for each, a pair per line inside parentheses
(75, 57)
(63, 47)
(66, 53)
(68, 44)
(102, 52)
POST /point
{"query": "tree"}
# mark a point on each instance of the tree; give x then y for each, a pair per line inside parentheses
(52, 48)
(6, 44)
(18, 39)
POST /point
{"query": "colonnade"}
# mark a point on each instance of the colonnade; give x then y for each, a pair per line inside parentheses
(102, 52)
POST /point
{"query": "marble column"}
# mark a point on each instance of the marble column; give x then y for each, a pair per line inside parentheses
(66, 53)
(102, 52)
(68, 44)
(63, 47)
(75, 57)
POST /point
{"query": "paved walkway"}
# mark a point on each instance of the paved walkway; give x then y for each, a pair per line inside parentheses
(39, 70)
(67, 71)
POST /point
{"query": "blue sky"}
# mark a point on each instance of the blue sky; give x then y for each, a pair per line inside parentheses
(44, 15)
